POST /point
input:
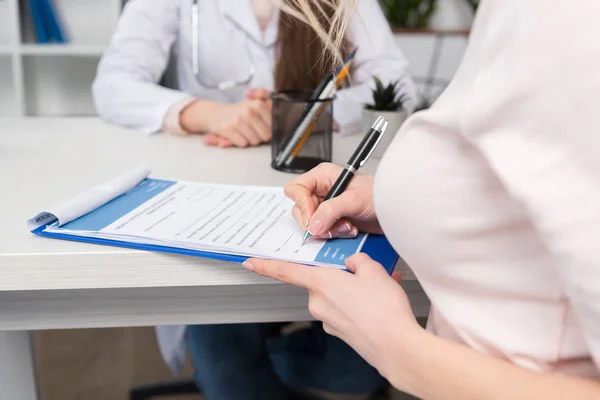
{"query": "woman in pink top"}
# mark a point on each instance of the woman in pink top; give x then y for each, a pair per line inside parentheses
(492, 196)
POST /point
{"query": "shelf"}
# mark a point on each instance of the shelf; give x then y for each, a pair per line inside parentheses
(53, 79)
(6, 24)
(8, 99)
(6, 50)
(61, 49)
(59, 86)
(428, 31)
(87, 24)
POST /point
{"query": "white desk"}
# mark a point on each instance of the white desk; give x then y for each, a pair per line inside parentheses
(49, 284)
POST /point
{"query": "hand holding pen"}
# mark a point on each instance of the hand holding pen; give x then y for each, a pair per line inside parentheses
(338, 210)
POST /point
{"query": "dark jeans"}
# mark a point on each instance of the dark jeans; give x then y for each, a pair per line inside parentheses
(250, 361)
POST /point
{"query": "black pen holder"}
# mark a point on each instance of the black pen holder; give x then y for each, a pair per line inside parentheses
(302, 131)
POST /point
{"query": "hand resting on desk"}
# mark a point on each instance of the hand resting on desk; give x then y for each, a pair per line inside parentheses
(243, 124)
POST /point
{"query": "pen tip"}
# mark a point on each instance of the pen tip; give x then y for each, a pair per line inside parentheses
(305, 237)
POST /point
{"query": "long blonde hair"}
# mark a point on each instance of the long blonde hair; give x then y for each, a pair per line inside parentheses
(300, 52)
(312, 12)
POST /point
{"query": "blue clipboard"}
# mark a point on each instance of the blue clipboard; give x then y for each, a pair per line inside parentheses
(102, 214)
(376, 246)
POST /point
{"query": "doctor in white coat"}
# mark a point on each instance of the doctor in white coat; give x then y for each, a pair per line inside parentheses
(229, 55)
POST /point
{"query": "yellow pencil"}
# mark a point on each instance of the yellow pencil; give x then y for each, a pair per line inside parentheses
(341, 76)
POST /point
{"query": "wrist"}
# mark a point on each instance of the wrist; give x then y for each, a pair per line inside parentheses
(403, 363)
(198, 116)
(171, 120)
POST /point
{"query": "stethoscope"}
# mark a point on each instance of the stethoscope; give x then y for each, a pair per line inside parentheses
(224, 85)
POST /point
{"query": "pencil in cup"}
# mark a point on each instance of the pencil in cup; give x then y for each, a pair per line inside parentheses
(305, 136)
(313, 119)
(290, 109)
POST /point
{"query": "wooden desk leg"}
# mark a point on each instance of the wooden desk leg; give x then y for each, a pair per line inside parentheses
(17, 367)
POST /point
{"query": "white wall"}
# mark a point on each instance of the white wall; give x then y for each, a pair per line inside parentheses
(419, 50)
(452, 16)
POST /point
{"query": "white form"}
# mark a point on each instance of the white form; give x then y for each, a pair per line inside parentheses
(227, 219)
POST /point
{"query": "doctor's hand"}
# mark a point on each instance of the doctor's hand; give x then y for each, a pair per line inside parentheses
(342, 216)
(247, 123)
(212, 139)
(243, 124)
(367, 309)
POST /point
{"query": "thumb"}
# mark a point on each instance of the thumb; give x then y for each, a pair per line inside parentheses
(330, 211)
(362, 264)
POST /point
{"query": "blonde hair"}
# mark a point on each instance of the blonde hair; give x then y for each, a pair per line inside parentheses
(312, 12)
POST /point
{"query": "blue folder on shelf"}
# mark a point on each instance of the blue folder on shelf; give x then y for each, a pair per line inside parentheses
(46, 22)
(52, 22)
(223, 222)
(39, 29)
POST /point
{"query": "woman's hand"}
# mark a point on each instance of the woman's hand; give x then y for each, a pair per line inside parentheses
(367, 309)
(342, 216)
(247, 123)
(370, 311)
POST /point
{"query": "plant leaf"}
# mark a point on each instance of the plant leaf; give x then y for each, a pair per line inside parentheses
(387, 97)
(378, 84)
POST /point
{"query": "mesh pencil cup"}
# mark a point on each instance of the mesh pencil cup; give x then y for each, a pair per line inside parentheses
(299, 143)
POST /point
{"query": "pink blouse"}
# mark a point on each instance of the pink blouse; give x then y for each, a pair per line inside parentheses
(492, 196)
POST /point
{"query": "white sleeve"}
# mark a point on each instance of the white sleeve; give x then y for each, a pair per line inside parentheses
(126, 89)
(377, 55)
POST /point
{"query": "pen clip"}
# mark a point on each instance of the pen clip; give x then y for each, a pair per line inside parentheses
(382, 132)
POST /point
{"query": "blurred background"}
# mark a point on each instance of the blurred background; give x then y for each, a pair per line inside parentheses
(54, 79)
(41, 79)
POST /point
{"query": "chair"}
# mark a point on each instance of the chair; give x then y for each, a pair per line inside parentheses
(168, 388)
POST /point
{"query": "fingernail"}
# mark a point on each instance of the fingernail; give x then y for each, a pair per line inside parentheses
(315, 228)
(330, 235)
(248, 265)
(354, 232)
(346, 228)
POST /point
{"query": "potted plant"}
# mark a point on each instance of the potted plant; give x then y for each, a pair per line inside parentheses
(411, 14)
(388, 102)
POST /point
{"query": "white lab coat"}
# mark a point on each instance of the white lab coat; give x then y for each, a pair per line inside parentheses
(126, 90)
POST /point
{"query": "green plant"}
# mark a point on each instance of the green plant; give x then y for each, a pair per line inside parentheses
(474, 4)
(413, 14)
(387, 98)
